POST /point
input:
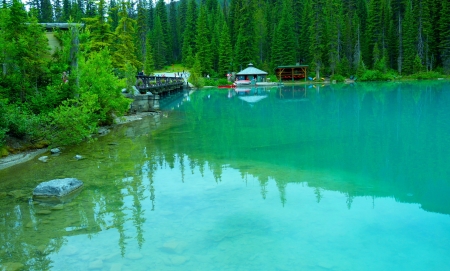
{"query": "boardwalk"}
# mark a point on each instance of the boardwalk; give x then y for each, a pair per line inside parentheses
(159, 85)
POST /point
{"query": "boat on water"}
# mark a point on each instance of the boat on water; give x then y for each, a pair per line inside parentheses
(227, 86)
(242, 82)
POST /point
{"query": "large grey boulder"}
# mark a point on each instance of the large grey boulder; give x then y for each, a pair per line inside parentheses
(57, 187)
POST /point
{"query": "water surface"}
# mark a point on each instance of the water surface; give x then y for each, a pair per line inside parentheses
(341, 177)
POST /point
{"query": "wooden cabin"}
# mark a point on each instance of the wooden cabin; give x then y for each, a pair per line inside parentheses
(293, 73)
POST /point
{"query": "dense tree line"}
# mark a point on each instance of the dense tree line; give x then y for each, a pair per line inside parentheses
(334, 37)
(373, 39)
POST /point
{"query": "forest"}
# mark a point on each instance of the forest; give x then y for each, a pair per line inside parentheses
(50, 98)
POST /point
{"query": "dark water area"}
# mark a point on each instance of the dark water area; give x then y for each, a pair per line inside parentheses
(333, 177)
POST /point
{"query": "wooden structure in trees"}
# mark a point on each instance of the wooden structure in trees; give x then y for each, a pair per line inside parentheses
(53, 42)
(295, 72)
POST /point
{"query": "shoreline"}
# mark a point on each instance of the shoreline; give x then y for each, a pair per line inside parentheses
(25, 156)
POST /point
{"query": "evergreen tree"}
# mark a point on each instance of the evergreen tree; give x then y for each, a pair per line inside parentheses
(444, 30)
(66, 9)
(189, 34)
(142, 30)
(58, 11)
(113, 14)
(161, 12)
(283, 49)
(304, 40)
(334, 23)
(46, 12)
(261, 31)
(159, 46)
(101, 35)
(203, 46)
(245, 48)
(316, 36)
(181, 25)
(225, 52)
(149, 63)
(125, 50)
(409, 39)
(173, 31)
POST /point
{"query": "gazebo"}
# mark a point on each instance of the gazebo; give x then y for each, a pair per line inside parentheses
(252, 74)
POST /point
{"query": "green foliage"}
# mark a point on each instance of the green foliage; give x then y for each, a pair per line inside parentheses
(130, 76)
(19, 122)
(195, 78)
(203, 48)
(380, 65)
(417, 65)
(73, 121)
(338, 78)
(426, 75)
(97, 78)
(376, 75)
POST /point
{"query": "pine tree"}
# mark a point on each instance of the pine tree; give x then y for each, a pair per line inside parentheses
(333, 12)
(46, 12)
(181, 26)
(173, 31)
(189, 34)
(203, 46)
(142, 30)
(225, 52)
(444, 29)
(245, 48)
(161, 11)
(409, 38)
(159, 46)
(261, 31)
(283, 49)
(316, 36)
(149, 63)
(125, 49)
(58, 11)
(304, 41)
(66, 9)
(113, 14)
(101, 35)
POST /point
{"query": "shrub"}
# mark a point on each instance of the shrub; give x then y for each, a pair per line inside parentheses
(210, 82)
(426, 75)
(338, 78)
(73, 121)
(222, 81)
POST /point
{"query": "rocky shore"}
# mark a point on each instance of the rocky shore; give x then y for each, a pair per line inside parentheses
(21, 157)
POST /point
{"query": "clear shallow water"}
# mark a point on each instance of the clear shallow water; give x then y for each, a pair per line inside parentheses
(324, 178)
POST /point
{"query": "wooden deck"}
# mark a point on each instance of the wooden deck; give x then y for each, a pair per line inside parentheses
(158, 85)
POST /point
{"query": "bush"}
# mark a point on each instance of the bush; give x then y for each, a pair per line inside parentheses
(376, 75)
(222, 81)
(273, 78)
(338, 78)
(426, 75)
(73, 121)
(210, 82)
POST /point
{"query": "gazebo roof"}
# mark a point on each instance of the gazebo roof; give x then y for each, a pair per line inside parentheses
(250, 70)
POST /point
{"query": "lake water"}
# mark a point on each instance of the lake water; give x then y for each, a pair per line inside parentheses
(340, 177)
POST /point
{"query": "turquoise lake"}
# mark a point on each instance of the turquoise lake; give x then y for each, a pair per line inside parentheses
(333, 177)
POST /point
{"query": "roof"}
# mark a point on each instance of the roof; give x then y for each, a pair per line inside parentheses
(292, 66)
(252, 99)
(250, 70)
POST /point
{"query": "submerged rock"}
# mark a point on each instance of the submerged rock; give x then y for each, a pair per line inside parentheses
(57, 187)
